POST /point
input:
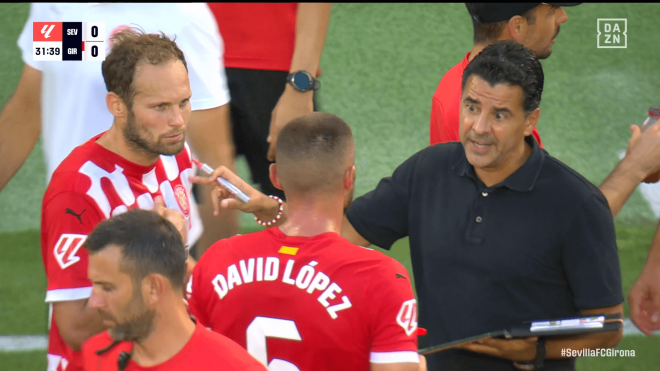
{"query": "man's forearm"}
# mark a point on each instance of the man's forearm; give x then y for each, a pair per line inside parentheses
(311, 27)
(20, 124)
(19, 131)
(621, 183)
(77, 322)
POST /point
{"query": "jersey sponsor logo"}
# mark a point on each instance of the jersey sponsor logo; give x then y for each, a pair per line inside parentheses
(182, 200)
(78, 216)
(67, 247)
(288, 250)
(407, 317)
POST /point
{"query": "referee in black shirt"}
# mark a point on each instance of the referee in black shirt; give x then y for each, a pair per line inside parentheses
(500, 231)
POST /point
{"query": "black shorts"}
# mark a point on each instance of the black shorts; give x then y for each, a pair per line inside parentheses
(254, 94)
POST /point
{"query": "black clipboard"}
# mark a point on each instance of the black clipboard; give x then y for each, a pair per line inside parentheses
(553, 327)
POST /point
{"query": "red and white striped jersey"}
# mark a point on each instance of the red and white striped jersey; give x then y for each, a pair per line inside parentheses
(306, 303)
(91, 185)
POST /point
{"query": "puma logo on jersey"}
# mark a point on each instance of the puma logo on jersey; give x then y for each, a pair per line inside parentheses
(399, 275)
(407, 317)
(66, 249)
(79, 216)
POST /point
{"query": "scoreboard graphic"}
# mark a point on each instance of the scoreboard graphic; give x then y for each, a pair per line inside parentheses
(68, 41)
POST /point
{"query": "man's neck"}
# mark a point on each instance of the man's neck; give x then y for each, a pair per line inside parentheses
(309, 216)
(173, 328)
(490, 177)
(476, 49)
(114, 141)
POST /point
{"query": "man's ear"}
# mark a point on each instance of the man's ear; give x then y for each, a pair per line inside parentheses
(516, 29)
(153, 288)
(349, 178)
(531, 121)
(272, 170)
(116, 105)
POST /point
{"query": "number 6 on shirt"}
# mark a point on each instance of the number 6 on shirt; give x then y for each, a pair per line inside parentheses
(264, 327)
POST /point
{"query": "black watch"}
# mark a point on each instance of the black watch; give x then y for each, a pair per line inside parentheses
(303, 81)
(537, 364)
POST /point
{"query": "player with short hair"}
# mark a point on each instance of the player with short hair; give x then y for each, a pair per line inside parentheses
(137, 265)
(141, 157)
(299, 296)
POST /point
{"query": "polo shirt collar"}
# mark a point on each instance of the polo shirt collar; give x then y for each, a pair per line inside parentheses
(522, 180)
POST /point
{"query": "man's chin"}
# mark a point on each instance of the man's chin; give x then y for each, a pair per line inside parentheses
(172, 149)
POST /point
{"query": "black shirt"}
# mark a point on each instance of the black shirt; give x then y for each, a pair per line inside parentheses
(539, 245)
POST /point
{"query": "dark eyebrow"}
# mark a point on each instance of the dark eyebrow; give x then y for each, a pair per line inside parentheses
(503, 110)
(470, 100)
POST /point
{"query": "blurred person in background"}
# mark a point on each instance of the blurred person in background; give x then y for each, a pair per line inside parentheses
(271, 57)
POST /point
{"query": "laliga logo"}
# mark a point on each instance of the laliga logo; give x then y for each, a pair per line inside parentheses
(47, 30)
(407, 317)
(66, 249)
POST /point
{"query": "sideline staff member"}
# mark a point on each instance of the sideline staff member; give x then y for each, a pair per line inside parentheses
(136, 263)
(500, 231)
(489, 259)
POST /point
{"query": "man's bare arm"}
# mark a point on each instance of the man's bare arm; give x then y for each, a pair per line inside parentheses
(76, 321)
(524, 350)
(20, 124)
(349, 233)
(311, 27)
(596, 340)
(642, 159)
(408, 366)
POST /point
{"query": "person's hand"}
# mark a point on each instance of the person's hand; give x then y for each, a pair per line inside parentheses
(422, 363)
(174, 216)
(518, 350)
(644, 299)
(644, 148)
(291, 105)
(222, 199)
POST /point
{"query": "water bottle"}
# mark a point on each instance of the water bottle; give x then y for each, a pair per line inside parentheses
(654, 115)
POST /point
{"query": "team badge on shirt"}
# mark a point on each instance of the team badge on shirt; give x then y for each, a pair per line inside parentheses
(182, 200)
(407, 317)
(66, 249)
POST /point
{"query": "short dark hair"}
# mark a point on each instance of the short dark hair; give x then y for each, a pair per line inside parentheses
(149, 244)
(131, 47)
(508, 62)
(312, 152)
(486, 33)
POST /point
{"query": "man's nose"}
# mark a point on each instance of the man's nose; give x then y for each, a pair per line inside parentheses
(95, 301)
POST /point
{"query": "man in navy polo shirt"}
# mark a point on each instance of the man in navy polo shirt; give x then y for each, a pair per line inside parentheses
(500, 231)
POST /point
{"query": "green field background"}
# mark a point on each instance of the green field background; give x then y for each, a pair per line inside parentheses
(382, 64)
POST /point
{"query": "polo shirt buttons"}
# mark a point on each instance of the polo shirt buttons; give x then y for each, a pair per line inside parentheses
(479, 219)
(485, 194)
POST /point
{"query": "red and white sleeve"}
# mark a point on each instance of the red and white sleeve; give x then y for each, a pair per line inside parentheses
(394, 316)
(68, 219)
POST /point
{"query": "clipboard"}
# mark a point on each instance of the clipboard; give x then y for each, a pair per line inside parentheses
(553, 327)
